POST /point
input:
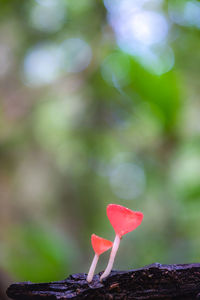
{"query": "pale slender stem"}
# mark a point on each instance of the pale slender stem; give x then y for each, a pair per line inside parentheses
(112, 258)
(92, 268)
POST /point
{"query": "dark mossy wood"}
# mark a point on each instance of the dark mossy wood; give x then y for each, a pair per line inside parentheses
(155, 281)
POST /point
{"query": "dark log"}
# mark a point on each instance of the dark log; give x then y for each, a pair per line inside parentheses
(155, 281)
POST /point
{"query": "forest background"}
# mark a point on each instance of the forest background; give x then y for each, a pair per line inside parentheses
(99, 104)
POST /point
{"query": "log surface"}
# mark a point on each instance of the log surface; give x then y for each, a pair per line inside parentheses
(155, 281)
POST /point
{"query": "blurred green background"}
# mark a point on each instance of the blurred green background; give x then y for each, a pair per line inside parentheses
(99, 104)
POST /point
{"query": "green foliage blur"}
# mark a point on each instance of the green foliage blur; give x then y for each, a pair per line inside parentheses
(99, 104)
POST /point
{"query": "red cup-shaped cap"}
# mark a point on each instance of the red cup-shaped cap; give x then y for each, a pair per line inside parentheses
(99, 244)
(123, 219)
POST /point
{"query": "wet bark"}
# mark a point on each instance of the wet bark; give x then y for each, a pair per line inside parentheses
(155, 281)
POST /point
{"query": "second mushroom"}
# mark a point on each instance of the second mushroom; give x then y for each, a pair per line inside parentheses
(99, 245)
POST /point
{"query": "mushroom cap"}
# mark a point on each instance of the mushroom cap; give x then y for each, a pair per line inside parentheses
(123, 219)
(99, 244)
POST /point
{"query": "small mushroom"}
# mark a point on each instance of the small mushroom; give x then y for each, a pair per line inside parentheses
(123, 221)
(99, 245)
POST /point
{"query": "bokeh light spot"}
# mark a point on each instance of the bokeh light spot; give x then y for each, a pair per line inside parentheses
(142, 33)
(47, 2)
(42, 64)
(185, 13)
(148, 27)
(158, 60)
(127, 180)
(77, 55)
(49, 17)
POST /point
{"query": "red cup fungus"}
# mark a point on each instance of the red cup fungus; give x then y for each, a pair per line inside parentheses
(99, 245)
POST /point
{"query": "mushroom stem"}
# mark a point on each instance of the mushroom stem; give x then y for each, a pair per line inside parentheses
(92, 268)
(112, 257)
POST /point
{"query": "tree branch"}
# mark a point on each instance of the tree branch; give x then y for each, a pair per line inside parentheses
(155, 281)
